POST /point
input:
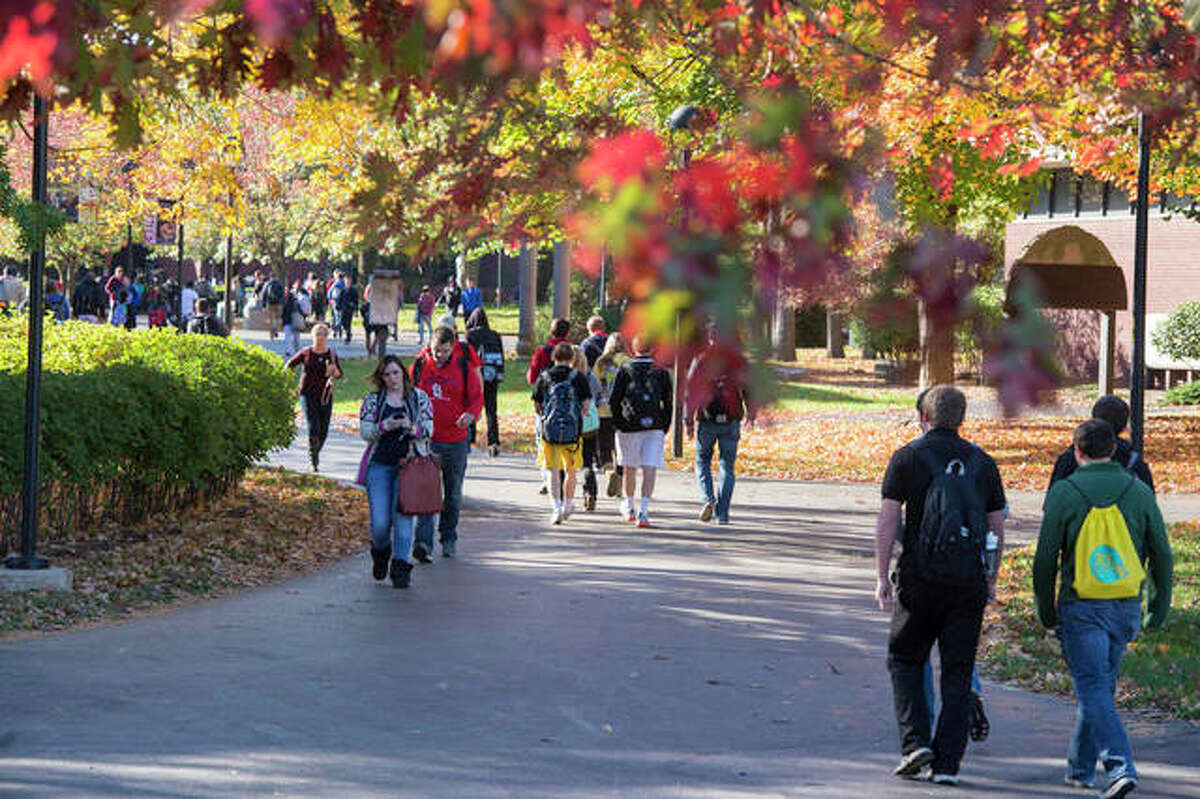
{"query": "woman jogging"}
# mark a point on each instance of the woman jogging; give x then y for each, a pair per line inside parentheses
(395, 420)
(320, 368)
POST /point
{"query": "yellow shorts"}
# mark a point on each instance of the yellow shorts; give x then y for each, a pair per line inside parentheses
(568, 457)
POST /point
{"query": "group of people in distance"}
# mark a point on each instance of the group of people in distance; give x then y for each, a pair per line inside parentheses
(1101, 532)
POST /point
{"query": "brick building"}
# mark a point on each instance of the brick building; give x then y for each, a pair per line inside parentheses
(1071, 226)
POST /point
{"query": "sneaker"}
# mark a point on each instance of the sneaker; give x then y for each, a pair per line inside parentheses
(912, 763)
(448, 549)
(568, 509)
(1119, 787)
(944, 779)
(379, 562)
(706, 513)
(614, 484)
(401, 573)
(1076, 782)
(421, 555)
(494, 450)
(627, 511)
(643, 520)
(723, 521)
(556, 516)
(979, 720)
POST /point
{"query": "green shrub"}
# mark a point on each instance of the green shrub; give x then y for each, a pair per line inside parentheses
(135, 423)
(1178, 337)
(1184, 394)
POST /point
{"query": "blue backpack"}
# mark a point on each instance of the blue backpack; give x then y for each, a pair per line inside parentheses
(561, 419)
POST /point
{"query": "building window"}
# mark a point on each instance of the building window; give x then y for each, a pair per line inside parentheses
(1063, 199)
(1118, 201)
(1091, 196)
(1040, 204)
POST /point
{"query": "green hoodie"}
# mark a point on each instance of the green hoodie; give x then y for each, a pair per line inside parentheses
(1062, 517)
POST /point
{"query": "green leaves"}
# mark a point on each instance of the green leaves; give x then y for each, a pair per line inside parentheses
(1179, 336)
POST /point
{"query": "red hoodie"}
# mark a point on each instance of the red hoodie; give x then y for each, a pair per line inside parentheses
(543, 359)
(444, 385)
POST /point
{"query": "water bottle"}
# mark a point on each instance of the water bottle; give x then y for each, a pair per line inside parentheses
(991, 553)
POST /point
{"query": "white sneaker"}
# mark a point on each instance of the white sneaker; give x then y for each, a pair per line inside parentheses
(556, 517)
(568, 509)
(627, 510)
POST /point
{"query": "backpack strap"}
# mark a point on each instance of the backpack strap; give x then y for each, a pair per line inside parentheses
(1133, 456)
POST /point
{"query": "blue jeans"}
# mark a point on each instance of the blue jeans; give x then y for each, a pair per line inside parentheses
(725, 436)
(387, 526)
(931, 697)
(1094, 634)
(424, 322)
(454, 469)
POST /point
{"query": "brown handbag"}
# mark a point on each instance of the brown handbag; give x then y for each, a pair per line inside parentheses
(419, 485)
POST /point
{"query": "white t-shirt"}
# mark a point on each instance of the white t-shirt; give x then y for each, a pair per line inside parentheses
(189, 303)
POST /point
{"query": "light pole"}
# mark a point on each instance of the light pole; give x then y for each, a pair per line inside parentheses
(28, 559)
(188, 165)
(1137, 379)
(680, 119)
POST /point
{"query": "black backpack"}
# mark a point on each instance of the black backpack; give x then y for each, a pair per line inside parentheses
(640, 406)
(562, 421)
(491, 352)
(274, 292)
(953, 531)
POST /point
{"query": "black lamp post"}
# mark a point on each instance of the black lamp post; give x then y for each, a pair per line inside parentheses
(188, 165)
(680, 119)
(28, 558)
(1137, 379)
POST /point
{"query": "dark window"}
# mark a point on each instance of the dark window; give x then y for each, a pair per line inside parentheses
(1118, 200)
(1064, 193)
(1040, 204)
(1091, 196)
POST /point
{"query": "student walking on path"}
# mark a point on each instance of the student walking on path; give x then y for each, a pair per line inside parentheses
(1115, 411)
(425, 303)
(590, 430)
(1100, 527)
(320, 367)
(447, 372)
(488, 345)
(560, 397)
(716, 404)
(612, 359)
(396, 420)
(593, 345)
(952, 497)
(642, 399)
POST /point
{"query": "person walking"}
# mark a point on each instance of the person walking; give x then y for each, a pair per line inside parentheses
(591, 428)
(543, 359)
(490, 348)
(560, 398)
(88, 300)
(320, 367)
(396, 420)
(349, 306)
(716, 402)
(293, 323)
(425, 303)
(447, 373)
(1115, 411)
(337, 287)
(271, 297)
(1100, 529)
(952, 497)
(642, 403)
(452, 296)
(471, 299)
(593, 345)
(612, 359)
(316, 294)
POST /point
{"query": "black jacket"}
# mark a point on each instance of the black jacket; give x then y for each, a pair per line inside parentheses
(1066, 464)
(660, 380)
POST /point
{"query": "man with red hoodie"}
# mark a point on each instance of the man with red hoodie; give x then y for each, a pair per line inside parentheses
(447, 372)
(543, 357)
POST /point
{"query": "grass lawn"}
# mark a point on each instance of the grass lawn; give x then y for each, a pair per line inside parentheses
(1160, 670)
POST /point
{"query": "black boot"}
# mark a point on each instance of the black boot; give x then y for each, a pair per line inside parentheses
(379, 562)
(315, 456)
(401, 571)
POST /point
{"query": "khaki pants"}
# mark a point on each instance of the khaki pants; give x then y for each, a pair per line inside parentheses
(274, 318)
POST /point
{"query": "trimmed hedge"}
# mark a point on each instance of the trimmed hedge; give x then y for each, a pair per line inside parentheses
(1184, 394)
(136, 423)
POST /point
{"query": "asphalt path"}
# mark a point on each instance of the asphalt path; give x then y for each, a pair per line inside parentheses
(587, 660)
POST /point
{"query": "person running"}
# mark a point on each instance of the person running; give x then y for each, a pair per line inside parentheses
(560, 397)
(320, 368)
(593, 345)
(716, 404)
(425, 303)
(591, 428)
(612, 359)
(396, 419)
(1115, 411)
(1101, 509)
(490, 348)
(642, 401)
(946, 485)
(447, 372)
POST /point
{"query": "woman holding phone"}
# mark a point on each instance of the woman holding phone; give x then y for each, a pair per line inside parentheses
(395, 420)
(320, 368)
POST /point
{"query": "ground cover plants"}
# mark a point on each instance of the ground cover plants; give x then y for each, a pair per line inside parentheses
(275, 524)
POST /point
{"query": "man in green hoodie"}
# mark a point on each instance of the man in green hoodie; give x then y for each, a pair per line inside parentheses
(1094, 631)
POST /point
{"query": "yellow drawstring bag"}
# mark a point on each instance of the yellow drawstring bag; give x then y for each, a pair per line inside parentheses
(1107, 565)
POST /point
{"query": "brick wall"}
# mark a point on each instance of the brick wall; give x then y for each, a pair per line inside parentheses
(1172, 277)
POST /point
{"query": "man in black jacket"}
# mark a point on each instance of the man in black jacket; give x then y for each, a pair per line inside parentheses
(1115, 411)
(642, 401)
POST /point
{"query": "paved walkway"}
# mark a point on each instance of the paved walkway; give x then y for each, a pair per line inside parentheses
(586, 660)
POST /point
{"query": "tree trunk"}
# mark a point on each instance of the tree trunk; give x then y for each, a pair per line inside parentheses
(527, 286)
(834, 346)
(783, 315)
(937, 349)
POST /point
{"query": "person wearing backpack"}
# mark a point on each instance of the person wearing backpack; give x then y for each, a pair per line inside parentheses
(952, 496)
(561, 396)
(348, 306)
(591, 430)
(642, 401)
(448, 371)
(1115, 411)
(424, 315)
(593, 345)
(204, 322)
(272, 298)
(716, 404)
(490, 348)
(605, 369)
(1101, 528)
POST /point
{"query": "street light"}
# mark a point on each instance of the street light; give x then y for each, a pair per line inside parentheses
(188, 165)
(680, 119)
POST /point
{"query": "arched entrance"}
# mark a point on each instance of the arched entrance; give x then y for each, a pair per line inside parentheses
(1070, 268)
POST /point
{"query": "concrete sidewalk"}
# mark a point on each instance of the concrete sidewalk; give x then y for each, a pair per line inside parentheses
(587, 660)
